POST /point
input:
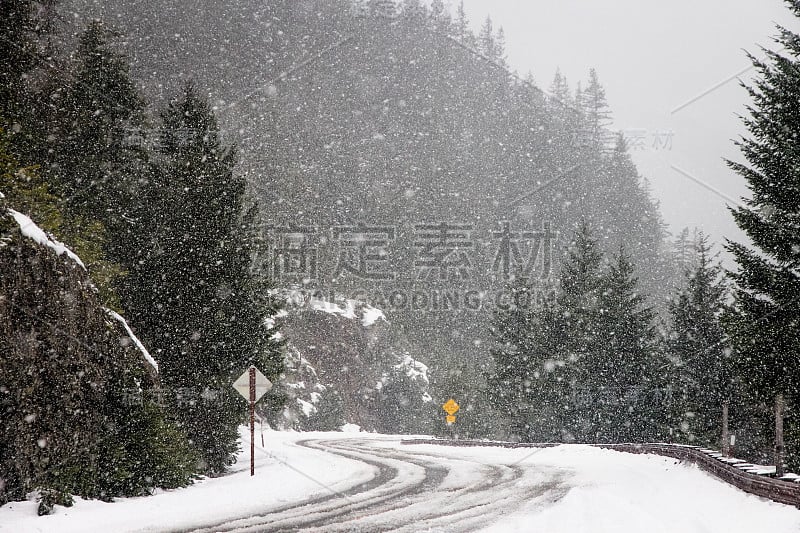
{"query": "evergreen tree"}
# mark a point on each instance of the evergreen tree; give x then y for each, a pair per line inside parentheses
(508, 384)
(382, 8)
(559, 88)
(634, 219)
(622, 366)
(581, 274)
(684, 250)
(486, 39)
(538, 380)
(22, 25)
(413, 9)
(89, 160)
(698, 349)
(192, 294)
(462, 23)
(764, 327)
(97, 166)
(596, 113)
(500, 46)
(441, 16)
(68, 370)
(549, 378)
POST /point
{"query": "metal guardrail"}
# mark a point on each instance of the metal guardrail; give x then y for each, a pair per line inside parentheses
(777, 490)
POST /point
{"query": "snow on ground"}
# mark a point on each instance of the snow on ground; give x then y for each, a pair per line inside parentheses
(285, 473)
(614, 492)
(565, 489)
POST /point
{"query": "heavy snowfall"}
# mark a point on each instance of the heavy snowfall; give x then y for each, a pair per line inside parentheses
(399, 265)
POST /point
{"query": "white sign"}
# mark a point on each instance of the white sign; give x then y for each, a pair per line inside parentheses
(263, 385)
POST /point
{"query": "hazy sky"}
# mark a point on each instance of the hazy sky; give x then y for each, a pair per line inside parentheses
(654, 57)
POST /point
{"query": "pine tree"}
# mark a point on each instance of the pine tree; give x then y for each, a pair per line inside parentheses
(508, 383)
(764, 328)
(580, 285)
(684, 250)
(97, 165)
(441, 16)
(581, 274)
(68, 369)
(549, 380)
(486, 39)
(22, 26)
(192, 294)
(413, 9)
(383, 8)
(462, 23)
(633, 220)
(89, 160)
(596, 113)
(538, 380)
(559, 88)
(500, 46)
(698, 349)
(622, 366)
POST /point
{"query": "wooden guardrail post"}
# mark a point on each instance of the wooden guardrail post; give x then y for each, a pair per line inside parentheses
(779, 435)
(726, 448)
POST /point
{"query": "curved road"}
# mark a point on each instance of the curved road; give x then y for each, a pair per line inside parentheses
(411, 491)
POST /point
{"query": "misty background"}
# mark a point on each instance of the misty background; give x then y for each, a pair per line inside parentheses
(671, 72)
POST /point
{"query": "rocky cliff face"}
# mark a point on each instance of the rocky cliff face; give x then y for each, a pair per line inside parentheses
(345, 363)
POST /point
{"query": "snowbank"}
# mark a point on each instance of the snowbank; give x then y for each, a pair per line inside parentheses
(614, 492)
(284, 473)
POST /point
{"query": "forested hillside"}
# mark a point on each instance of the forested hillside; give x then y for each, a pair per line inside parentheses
(400, 161)
(362, 199)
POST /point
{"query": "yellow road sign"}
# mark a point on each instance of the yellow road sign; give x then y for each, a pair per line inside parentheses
(451, 407)
(451, 419)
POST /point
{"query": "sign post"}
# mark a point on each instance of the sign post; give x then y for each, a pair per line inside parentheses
(252, 385)
(252, 372)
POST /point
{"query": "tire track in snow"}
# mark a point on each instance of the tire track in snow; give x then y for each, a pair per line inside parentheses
(413, 491)
(395, 478)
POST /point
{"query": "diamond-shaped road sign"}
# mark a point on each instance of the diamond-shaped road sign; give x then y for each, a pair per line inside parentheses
(242, 384)
(451, 407)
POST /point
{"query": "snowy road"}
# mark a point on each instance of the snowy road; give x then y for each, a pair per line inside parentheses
(413, 491)
(359, 482)
(418, 488)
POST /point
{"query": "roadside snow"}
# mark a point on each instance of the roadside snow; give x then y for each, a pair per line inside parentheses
(285, 473)
(615, 492)
(565, 489)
